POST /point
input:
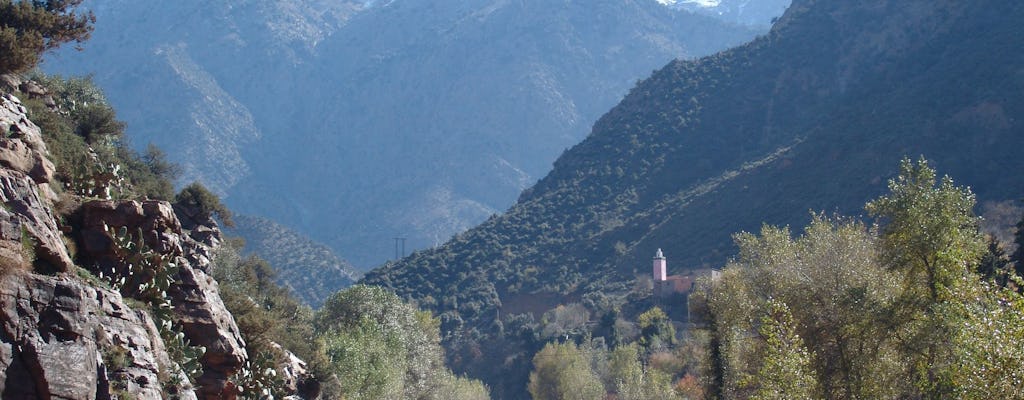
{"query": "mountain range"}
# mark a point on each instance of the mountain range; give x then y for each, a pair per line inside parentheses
(357, 122)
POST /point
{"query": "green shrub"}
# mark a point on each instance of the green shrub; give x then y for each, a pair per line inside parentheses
(197, 197)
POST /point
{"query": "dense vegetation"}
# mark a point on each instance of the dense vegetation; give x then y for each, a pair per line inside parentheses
(808, 117)
(846, 310)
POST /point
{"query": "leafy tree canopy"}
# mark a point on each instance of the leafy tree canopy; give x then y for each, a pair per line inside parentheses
(30, 27)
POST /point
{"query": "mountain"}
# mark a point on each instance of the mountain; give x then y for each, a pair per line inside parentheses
(354, 122)
(813, 116)
(309, 269)
(743, 12)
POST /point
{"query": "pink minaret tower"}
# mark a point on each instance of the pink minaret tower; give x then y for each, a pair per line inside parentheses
(659, 267)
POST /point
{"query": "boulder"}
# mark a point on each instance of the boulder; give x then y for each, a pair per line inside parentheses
(9, 83)
(33, 89)
(14, 123)
(296, 376)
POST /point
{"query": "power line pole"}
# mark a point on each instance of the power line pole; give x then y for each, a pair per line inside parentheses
(399, 243)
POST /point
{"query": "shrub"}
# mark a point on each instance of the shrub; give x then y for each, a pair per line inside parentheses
(198, 198)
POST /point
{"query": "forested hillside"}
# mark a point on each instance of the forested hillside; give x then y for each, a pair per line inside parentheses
(356, 122)
(813, 116)
(309, 269)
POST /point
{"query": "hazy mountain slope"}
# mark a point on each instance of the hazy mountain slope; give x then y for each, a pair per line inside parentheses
(182, 73)
(309, 269)
(814, 116)
(437, 117)
(409, 118)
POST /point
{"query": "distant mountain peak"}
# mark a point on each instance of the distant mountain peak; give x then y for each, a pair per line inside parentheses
(698, 3)
(743, 12)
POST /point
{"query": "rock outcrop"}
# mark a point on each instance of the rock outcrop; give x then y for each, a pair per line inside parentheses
(68, 337)
(195, 296)
(62, 338)
(22, 148)
(296, 375)
(28, 229)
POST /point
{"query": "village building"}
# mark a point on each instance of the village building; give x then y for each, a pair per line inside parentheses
(672, 292)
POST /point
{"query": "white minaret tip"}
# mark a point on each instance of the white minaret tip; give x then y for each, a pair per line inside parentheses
(660, 266)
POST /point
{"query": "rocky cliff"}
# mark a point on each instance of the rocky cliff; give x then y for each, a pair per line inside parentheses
(73, 326)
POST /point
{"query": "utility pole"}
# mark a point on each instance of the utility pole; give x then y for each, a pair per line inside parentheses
(399, 244)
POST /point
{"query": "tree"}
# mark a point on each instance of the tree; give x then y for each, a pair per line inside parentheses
(930, 231)
(28, 28)
(837, 292)
(930, 235)
(384, 348)
(563, 372)
(631, 381)
(889, 312)
(994, 265)
(989, 346)
(786, 369)
(656, 329)
(379, 343)
(368, 360)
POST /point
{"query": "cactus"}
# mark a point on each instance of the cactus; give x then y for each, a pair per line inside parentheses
(145, 275)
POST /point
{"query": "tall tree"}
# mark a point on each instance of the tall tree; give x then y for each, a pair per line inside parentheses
(30, 27)
(930, 235)
(929, 230)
